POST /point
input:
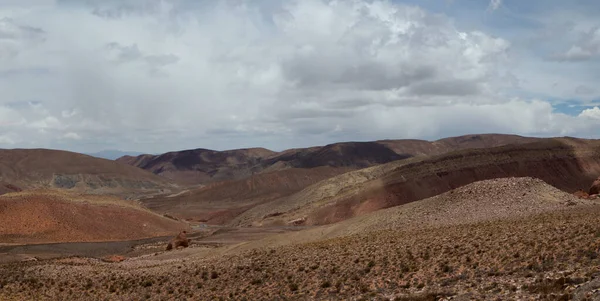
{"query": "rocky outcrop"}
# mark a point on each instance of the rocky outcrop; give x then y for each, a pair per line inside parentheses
(595, 188)
(180, 240)
(581, 194)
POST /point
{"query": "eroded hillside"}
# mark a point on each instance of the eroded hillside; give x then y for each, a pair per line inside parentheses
(42, 168)
(566, 163)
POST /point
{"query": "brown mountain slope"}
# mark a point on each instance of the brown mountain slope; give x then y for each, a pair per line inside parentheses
(43, 216)
(31, 168)
(427, 148)
(204, 166)
(218, 203)
(481, 201)
(566, 163)
(201, 165)
(477, 202)
(345, 154)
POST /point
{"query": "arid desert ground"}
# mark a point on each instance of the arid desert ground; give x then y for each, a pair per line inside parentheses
(478, 217)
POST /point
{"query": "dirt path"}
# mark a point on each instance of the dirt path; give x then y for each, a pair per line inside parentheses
(202, 237)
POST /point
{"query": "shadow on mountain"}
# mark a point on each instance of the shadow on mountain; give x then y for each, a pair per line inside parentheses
(566, 163)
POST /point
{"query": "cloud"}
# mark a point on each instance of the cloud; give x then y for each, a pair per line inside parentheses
(586, 48)
(14, 38)
(165, 75)
(593, 113)
(495, 4)
(584, 90)
(71, 135)
(6, 140)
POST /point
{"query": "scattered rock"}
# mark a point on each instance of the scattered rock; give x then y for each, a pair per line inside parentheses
(180, 240)
(581, 194)
(113, 258)
(297, 222)
(588, 291)
(595, 188)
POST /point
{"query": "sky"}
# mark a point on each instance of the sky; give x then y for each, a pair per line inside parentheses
(164, 75)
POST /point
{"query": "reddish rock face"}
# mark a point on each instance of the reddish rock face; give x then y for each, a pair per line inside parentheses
(595, 189)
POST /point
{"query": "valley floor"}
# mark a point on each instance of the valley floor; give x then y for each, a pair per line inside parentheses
(547, 256)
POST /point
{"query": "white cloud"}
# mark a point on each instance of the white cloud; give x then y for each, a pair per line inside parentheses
(71, 135)
(164, 75)
(593, 113)
(495, 4)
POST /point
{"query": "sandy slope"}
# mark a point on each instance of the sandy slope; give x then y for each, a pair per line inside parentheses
(57, 216)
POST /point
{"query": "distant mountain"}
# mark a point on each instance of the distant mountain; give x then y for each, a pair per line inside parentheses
(201, 166)
(113, 154)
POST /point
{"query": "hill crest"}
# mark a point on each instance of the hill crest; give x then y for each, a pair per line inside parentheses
(201, 166)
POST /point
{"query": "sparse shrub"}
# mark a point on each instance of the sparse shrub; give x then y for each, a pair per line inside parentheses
(325, 284)
(547, 286)
(256, 281)
(147, 283)
(419, 297)
(88, 285)
(364, 288)
(445, 267)
(293, 287)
